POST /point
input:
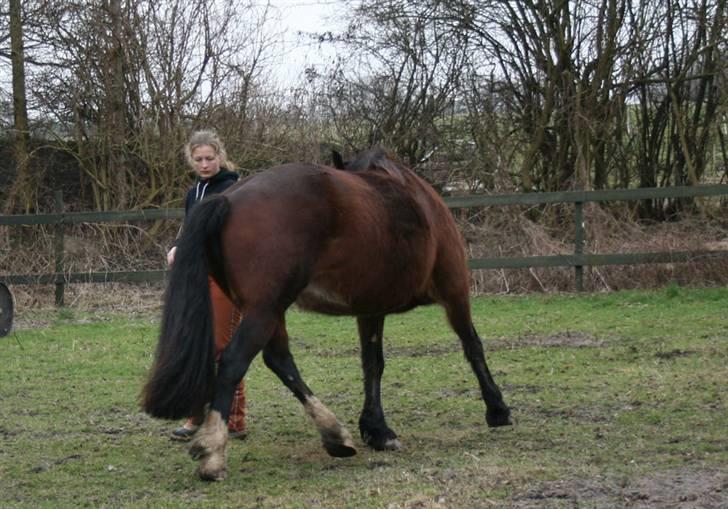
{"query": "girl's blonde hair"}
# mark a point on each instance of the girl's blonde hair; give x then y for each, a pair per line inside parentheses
(208, 137)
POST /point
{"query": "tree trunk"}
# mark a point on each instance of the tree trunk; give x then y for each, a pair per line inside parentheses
(115, 135)
(21, 193)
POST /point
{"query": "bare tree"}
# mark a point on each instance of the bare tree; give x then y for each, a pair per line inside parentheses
(402, 68)
(123, 81)
(569, 77)
(496, 94)
(21, 192)
(679, 84)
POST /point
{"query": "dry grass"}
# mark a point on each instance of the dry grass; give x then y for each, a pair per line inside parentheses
(510, 232)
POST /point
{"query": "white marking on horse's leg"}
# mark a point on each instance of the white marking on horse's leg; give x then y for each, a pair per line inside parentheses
(336, 439)
(393, 444)
(209, 446)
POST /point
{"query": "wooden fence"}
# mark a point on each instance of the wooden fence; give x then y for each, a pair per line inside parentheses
(578, 259)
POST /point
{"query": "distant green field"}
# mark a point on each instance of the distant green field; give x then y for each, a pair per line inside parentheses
(618, 400)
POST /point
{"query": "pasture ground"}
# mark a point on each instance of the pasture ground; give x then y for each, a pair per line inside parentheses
(619, 400)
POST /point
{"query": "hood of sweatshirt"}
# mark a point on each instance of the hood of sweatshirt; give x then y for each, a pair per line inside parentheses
(214, 185)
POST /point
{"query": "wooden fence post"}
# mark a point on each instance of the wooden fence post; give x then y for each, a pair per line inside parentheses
(58, 246)
(579, 243)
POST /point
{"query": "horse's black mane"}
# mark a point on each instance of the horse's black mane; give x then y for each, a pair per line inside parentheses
(372, 159)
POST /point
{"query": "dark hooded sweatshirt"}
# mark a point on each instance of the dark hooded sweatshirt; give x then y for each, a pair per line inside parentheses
(207, 187)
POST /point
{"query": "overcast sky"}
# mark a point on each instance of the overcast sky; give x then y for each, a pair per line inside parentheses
(301, 17)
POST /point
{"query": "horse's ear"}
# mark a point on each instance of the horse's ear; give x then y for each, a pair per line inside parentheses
(337, 160)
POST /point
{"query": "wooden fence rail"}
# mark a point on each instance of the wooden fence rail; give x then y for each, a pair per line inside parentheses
(578, 259)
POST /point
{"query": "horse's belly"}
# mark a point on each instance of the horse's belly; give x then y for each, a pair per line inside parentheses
(323, 300)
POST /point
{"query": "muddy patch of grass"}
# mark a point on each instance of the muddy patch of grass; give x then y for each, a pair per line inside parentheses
(442, 346)
(706, 488)
(674, 354)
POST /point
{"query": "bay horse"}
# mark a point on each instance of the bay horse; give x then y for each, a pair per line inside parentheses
(366, 239)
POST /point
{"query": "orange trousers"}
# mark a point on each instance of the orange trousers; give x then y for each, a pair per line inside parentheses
(226, 318)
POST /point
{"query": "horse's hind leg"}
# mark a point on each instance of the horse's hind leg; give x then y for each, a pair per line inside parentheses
(372, 425)
(209, 447)
(210, 442)
(335, 438)
(497, 412)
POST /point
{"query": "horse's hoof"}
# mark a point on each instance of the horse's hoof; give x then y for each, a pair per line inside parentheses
(393, 444)
(496, 419)
(340, 450)
(197, 451)
(211, 475)
(390, 444)
(382, 442)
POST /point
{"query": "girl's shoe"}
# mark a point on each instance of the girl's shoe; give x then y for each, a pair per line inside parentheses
(185, 432)
(240, 435)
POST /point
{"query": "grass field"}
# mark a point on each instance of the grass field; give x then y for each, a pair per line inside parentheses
(619, 400)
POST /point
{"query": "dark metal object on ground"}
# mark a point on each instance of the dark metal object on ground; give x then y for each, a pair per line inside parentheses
(6, 310)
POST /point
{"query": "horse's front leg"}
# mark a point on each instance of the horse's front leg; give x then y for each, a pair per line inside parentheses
(335, 437)
(372, 425)
(210, 442)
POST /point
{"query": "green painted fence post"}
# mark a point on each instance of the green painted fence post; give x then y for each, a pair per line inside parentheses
(579, 243)
(58, 246)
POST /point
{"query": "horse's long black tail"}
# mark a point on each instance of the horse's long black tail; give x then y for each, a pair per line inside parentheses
(181, 380)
